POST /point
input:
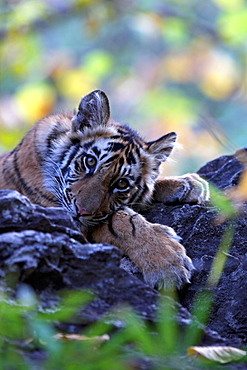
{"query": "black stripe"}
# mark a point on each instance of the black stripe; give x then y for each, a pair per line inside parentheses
(134, 196)
(142, 190)
(88, 145)
(110, 227)
(138, 180)
(96, 151)
(128, 138)
(55, 133)
(129, 134)
(141, 195)
(73, 151)
(131, 159)
(121, 162)
(5, 169)
(124, 172)
(133, 226)
(103, 156)
(115, 147)
(112, 158)
(75, 140)
(122, 132)
(59, 181)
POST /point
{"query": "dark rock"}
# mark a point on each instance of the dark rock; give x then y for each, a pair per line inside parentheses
(17, 213)
(43, 246)
(201, 236)
(45, 250)
(225, 171)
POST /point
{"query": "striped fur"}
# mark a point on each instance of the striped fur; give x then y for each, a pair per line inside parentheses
(51, 165)
(102, 171)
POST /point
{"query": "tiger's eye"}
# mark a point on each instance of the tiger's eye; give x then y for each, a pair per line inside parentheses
(122, 184)
(90, 161)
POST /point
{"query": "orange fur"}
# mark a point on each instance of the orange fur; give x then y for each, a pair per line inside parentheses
(101, 170)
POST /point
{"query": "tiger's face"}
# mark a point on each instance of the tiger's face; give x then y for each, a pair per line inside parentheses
(100, 166)
(107, 173)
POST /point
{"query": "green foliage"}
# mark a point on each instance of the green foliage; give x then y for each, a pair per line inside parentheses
(233, 26)
(25, 327)
(163, 65)
(223, 203)
(26, 330)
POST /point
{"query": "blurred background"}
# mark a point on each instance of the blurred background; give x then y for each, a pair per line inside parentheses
(166, 65)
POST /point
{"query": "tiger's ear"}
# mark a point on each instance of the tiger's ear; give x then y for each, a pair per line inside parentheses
(93, 110)
(162, 147)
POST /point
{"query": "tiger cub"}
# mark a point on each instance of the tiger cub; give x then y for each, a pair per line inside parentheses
(102, 172)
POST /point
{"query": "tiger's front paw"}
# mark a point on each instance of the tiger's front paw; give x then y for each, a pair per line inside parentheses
(189, 188)
(196, 189)
(153, 248)
(165, 263)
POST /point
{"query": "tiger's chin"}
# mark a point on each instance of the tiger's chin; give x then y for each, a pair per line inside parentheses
(86, 223)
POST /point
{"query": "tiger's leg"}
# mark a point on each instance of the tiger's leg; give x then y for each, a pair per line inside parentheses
(189, 188)
(154, 248)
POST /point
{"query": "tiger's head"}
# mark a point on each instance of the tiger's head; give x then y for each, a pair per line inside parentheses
(100, 166)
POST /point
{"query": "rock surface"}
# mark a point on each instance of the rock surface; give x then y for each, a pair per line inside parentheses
(201, 236)
(43, 247)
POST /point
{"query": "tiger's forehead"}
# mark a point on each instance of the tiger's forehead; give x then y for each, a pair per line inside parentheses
(112, 139)
(115, 131)
(112, 149)
(117, 148)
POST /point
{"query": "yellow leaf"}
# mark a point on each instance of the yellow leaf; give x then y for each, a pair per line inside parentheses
(74, 83)
(220, 354)
(35, 100)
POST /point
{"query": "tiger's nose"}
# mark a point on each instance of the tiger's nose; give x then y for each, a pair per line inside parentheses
(81, 211)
